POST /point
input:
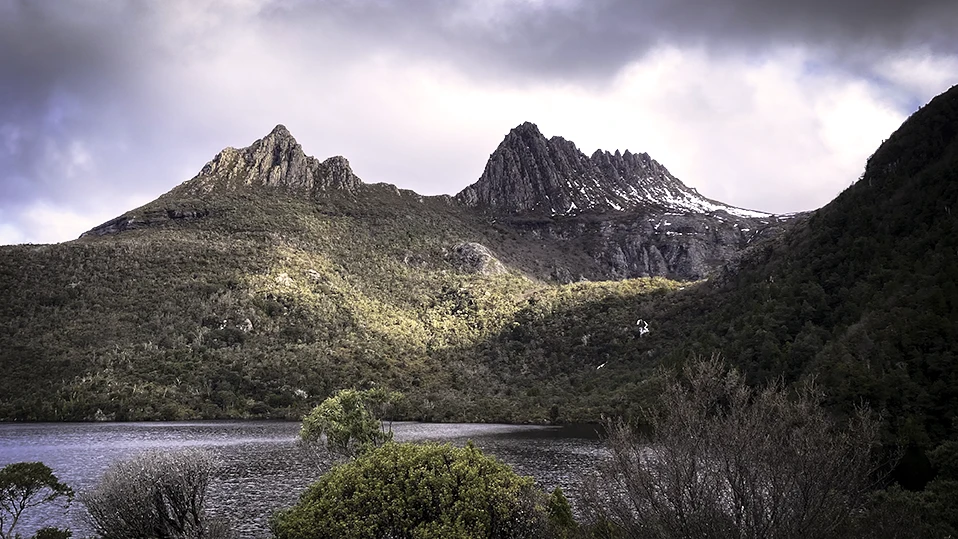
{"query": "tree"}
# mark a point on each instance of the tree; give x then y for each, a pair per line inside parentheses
(417, 491)
(561, 519)
(157, 495)
(350, 421)
(24, 485)
(721, 459)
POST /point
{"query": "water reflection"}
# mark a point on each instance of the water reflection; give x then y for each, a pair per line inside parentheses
(262, 468)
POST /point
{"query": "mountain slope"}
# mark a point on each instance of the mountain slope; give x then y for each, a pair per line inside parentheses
(181, 321)
(867, 288)
(271, 279)
(666, 229)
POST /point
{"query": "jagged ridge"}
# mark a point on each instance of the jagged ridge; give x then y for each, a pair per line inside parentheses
(275, 160)
(530, 173)
(665, 228)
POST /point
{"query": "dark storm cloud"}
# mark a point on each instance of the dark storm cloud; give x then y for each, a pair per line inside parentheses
(62, 67)
(595, 38)
(83, 99)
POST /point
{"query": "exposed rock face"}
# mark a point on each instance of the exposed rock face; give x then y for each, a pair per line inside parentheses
(144, 219)
(530, 173)
(475, 257)
(641, 244)
(276, 160)
(625, 210)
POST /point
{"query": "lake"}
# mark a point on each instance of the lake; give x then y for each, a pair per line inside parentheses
(261, 468)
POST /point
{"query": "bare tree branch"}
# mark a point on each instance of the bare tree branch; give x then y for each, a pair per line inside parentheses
(725, 460)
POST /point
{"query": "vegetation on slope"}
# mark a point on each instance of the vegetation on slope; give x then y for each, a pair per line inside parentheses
(267, 306)
(865, 294)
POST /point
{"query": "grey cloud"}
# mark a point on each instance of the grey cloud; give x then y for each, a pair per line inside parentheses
(93, 78)
(595, 38)
(62, 68)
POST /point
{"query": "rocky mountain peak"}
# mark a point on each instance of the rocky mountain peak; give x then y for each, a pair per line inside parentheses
(526, 129)
(529, 173)
(275, 160)
(280, 132)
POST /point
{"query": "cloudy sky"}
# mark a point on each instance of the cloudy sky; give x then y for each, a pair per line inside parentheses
(764, 104)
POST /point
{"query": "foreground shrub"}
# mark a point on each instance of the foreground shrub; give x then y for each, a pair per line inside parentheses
(722, 459)
(417, 491)
(52, 533)
(156, 495)
(931, 513)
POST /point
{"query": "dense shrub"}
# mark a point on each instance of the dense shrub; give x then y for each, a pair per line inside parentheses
(350, 421)
(52, 533)
(417, 491)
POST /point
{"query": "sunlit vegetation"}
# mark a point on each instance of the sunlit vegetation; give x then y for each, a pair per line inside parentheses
(273, 303)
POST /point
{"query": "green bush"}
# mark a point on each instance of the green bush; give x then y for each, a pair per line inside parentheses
(560, 515)
(417, 491)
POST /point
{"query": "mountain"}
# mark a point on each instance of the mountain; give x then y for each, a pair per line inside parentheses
(530, 173)
(625, 211)
(271, 279)
(276, 161)
(637, 220)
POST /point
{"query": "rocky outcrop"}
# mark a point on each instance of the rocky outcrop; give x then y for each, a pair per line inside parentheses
(472, 257)
(529, 173)
(624, 210)
(275, 160)
(144, 218)
(652, 243)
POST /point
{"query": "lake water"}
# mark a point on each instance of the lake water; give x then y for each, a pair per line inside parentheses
(260, 466)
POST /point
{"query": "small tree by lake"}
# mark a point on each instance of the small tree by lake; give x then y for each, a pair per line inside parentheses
(426, 491)
(24, 485)
(351, 421)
